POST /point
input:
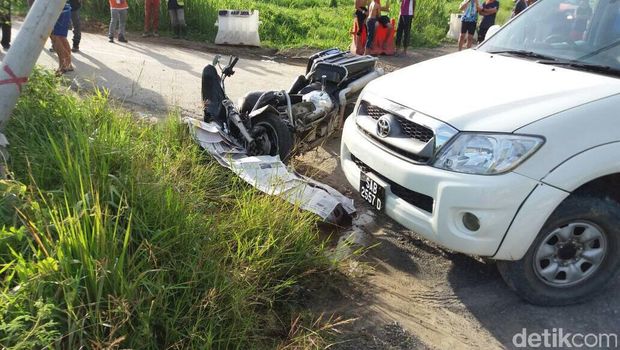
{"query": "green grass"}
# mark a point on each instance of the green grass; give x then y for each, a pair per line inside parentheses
(119, 233)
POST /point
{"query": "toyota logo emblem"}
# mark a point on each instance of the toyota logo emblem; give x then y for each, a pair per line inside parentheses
(383, 126)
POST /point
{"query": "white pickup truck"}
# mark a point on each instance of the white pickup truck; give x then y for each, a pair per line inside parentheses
(509, 151)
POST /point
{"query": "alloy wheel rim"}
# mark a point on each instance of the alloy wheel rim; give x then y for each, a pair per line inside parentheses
(570, 254)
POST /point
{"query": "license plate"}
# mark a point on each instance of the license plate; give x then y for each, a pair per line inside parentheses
(372, 192)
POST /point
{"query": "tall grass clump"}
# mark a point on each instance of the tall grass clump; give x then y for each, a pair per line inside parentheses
(118, 233)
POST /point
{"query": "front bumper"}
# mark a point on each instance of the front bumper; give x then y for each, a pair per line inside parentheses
(495, 200)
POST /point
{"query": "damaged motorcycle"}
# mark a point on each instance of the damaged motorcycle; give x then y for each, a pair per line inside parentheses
(290, 122)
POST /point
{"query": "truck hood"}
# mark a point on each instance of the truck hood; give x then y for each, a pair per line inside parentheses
(477, 91)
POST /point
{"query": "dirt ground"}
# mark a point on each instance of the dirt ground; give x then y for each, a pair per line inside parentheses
(411, 294)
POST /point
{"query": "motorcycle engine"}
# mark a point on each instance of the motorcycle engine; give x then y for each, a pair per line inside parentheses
(314, 106)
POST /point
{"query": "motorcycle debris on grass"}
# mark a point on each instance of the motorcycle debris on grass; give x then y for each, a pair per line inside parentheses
(271, 176)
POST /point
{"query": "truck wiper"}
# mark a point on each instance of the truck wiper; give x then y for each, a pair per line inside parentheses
(524, 53)
(589, 67)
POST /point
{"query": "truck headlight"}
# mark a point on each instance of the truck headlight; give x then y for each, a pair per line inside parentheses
(486, 154)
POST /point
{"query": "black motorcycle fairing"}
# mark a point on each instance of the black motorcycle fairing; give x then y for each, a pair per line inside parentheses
(249, 101)
(273, 98)
(212, 95)
(299, 83)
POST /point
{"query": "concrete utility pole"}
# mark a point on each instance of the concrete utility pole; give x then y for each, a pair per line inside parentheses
(19, 61)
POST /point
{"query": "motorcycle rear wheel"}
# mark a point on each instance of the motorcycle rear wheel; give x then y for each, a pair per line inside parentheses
(271, 137)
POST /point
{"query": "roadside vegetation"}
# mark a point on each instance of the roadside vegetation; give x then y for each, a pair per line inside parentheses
(300, 23)
(116, 232)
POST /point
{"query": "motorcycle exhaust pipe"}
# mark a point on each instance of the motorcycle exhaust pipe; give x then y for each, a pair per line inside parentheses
(355, 87)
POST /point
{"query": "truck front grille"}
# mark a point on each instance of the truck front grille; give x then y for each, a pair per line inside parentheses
(409, 128)
(415, 131)
(416, 199)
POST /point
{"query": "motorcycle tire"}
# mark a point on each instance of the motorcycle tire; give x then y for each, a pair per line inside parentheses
(272, 136)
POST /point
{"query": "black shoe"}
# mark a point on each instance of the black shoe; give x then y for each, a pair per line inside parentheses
(52, 49)
(6, 46)
(122, 39)
(75, 49)
(111, 39)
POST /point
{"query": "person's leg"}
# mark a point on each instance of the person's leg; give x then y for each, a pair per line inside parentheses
(57, 49)
(67, 53)
(122, 25)
(6, 32)
(148, 5)
(371, 27)
(361, 19)
(482, 33)
(470, 34)
(114, 19)
(399, 31)
(174, 23)
(77, 29)
(181, 18)
(155, 13)
(407, 39)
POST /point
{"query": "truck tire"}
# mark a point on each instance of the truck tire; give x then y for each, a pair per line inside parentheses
(272, 136)
(575, 255)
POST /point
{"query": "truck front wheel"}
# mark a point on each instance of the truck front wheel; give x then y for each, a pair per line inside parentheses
(575, 255)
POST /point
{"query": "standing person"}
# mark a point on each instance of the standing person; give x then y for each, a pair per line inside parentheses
(5, 23)
(520, 5)
(374, 19)
(177, 17)
(60, 42)
(468, 22)
(76, 5)
(151, 18)
(118, 17)
(488, 11)
(361, 10)
(407, 11)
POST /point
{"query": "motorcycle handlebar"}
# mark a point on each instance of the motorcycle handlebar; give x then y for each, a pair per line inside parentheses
(228, 71)
(235, 59)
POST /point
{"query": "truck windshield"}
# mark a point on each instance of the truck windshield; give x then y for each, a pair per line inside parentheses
(578, 34)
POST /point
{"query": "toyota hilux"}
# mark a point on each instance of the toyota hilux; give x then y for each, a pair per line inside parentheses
(509, 151)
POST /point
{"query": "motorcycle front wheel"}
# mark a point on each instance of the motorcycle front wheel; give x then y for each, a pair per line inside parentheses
(271, 137)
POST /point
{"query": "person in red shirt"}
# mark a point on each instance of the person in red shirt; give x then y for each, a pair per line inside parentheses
(118, 17)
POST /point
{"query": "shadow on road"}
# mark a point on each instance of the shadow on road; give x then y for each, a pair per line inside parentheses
(482, 291)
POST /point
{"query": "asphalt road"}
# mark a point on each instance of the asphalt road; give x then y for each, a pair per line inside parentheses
(160, 76)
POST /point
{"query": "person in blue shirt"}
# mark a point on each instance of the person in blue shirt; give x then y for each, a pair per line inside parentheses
(468, 22)
(488, 11)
